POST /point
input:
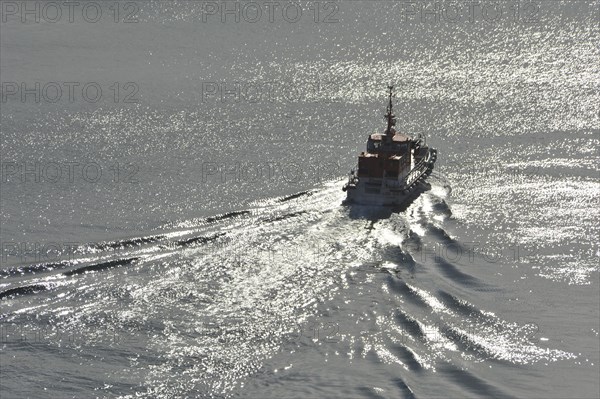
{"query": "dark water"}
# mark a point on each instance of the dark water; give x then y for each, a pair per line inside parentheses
(157, 248)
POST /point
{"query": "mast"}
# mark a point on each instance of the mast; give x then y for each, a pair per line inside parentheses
(391, 118)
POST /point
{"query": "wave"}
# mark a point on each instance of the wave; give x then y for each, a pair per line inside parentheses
(223, 295)
(32, 269)
(452, 272)
(24, 290)
(284, 217)
(100, 266)
(132, 242)
(306, 193)
(225, 216)
(199, 240)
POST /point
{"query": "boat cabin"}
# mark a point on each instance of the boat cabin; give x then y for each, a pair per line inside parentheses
(378, 143)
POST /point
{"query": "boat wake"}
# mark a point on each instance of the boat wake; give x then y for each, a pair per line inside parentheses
(224, 302)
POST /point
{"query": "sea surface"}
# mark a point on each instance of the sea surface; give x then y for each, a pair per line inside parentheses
(171, 207)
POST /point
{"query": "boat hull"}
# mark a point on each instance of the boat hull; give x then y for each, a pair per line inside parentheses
(378, 192)
(360, 195)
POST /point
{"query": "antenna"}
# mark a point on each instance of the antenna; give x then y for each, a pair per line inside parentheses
(391, 118)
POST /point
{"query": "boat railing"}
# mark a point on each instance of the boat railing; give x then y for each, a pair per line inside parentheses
(413, 175)
(418, 171)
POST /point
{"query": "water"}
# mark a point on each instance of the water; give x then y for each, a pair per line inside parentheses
(156, 248)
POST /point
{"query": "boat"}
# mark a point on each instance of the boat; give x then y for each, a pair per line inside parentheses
(394, 168)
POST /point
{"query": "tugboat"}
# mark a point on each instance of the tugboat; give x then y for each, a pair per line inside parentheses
(393, 169)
